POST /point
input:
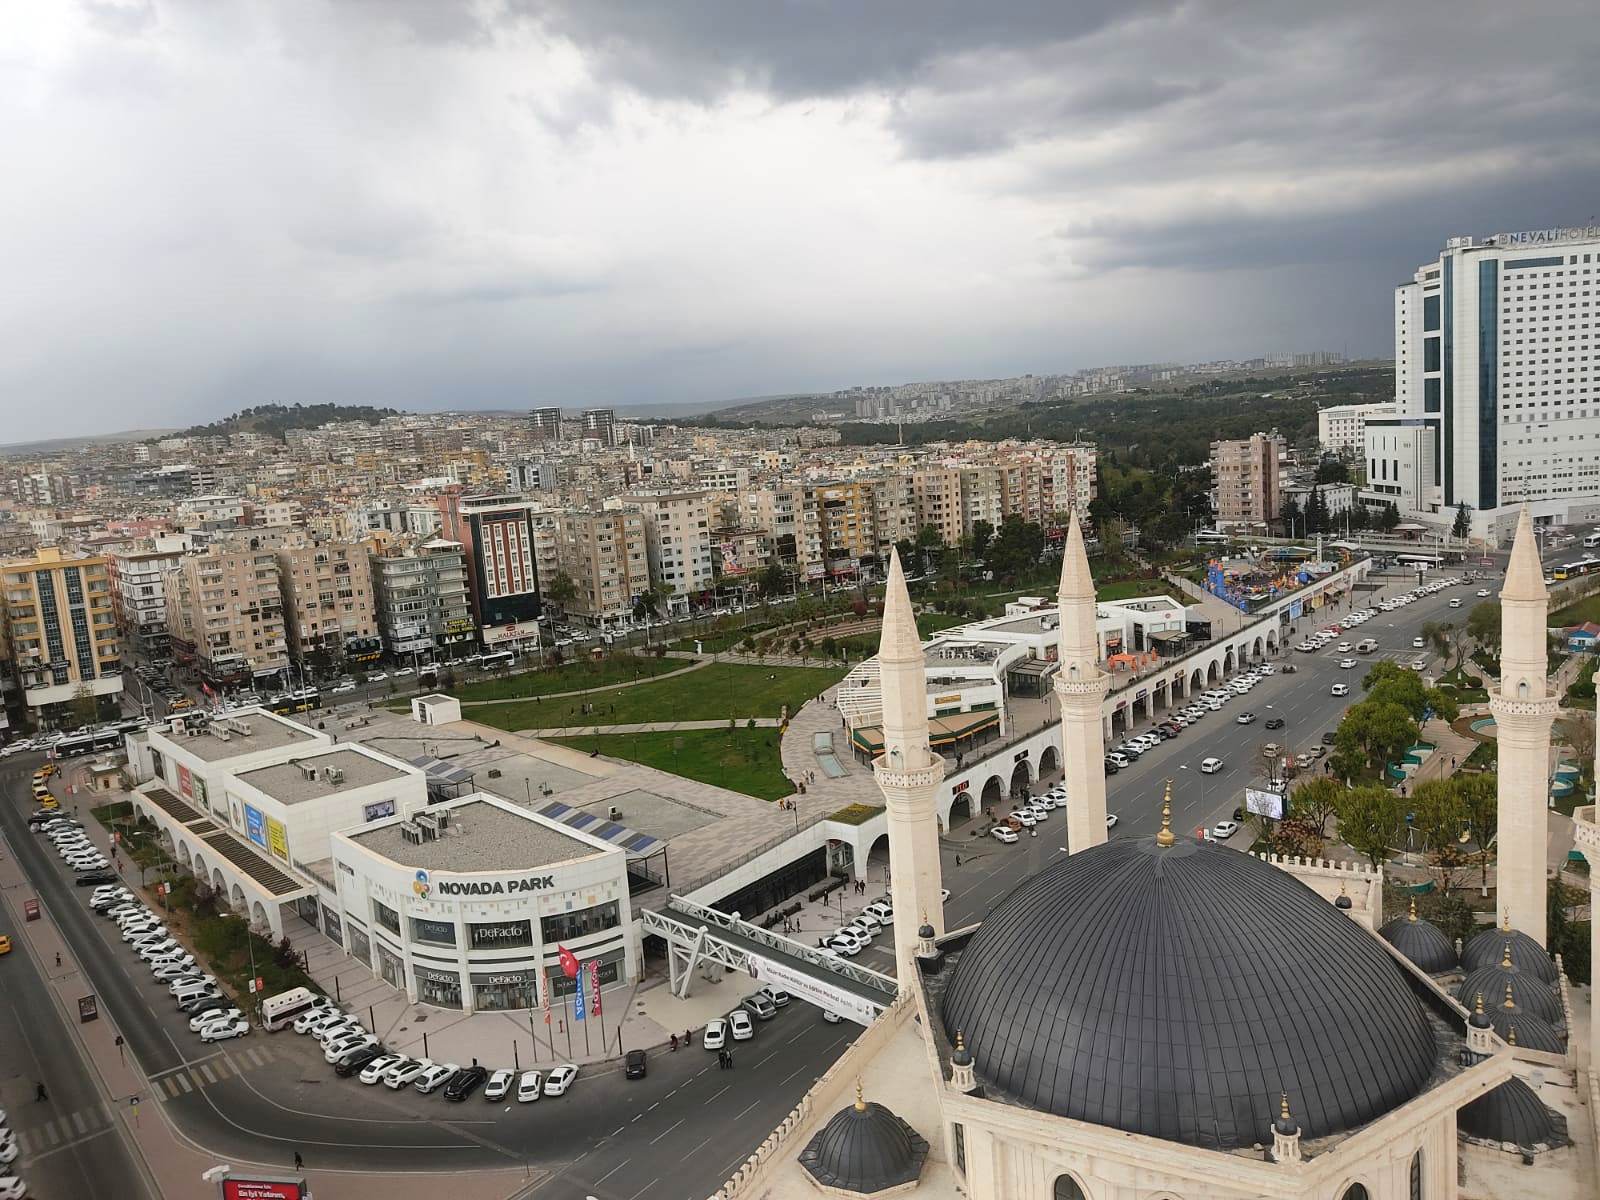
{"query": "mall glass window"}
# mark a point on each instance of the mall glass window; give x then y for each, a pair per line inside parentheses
(438, 933)
(500, 934)
(439, 988)
(564, 927)
(385, 916)
(560, 985)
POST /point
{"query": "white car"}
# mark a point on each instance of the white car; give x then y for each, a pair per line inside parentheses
(880, 912)
(12, 1188)
(346, 1024)
(312, 1017)
(1344, 648)
(403, 671)
(1244, 718)
(1418, 644)
(221, 1031)
(1455, 602)
(324, 1020)
(1111, 820)
(1347, 664)
(196, 1024)
(405, 1072)
(739, 1025)
(1210, 766)
(435, 1076)
(340, 689)
(186, 982)
(560, 1079)
(498, 1084)
(1339, 689)
(1024, 817)
(339, 1047)
(377, 677)
(169, 969)
(843, 945)
(715, 1036)
(1003, 834)
(1483, 593)
(530, 1086)
(1223, 830)
(375, 1070)
(1267, 668)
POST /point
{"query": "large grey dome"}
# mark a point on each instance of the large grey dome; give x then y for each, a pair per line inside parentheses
(865, 1149)
(1512, 1113)
(1178, 991)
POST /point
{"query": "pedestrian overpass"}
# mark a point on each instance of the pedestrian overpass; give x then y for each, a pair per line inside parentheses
(701, 939)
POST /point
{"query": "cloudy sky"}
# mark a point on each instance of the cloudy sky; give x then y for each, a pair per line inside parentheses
(441, 204)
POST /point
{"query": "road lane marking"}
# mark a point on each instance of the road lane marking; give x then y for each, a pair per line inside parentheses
(696, 1150)
(644, 1189)
(747, 1108)
(714, 1095)
(664, 1132)
(205, 1069)
(612, 1172)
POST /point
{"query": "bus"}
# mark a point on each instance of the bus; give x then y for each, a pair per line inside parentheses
(1210, 537)
(89, 742)
(1572, 570)
(1592, 540)
(280, 1010)
(497, 660)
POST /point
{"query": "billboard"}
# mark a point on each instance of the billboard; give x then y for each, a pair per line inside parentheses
(826, 996)
(264, 1189)
(1264, 804)
(278, 839)
(255, 826)
(185, 780)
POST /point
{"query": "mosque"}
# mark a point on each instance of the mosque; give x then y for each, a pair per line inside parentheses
(1164, 1019)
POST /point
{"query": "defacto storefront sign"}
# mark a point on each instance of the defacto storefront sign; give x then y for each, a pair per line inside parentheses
(504, 933)
(825, 996)
(425, 886)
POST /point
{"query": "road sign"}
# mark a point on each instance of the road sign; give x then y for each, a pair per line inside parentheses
(88, 1009)
(30, 910)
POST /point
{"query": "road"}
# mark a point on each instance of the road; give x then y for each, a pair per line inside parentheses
(72, 1143)
(267, 1096)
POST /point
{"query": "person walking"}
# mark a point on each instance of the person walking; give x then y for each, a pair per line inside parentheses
(299, 1163)
(39, 1094)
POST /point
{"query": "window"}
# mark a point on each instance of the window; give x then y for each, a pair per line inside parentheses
(960, 1138)
(1356, 1191)
(565, 926)
(1416, 1176)
(1067, 1188)
(385, 916)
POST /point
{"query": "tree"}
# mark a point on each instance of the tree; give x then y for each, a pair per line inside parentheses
(1483, 625)
(1371, 821)
(1438, 819)
(1290, 514)
(1332, 470)
(85, 708)
(561, 591)
(1387, 683)
(982, 531)
(1316, 802)
(1016, 548)
(1389, 518)
(1463, 522)
(1380, 731)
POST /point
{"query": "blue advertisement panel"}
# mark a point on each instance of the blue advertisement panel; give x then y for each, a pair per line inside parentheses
(255, 826)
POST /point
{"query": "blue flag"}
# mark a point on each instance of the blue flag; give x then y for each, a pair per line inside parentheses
(577, 999)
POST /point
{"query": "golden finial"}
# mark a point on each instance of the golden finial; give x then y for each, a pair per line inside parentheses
(1511, 1036)
(961, 1040)
(1505, 956)
(1283, 1106)
(1165, 837)
(861, 1105)
(1510, 1003)
(1478, 1007)
(1505, 920)
(1413, 915)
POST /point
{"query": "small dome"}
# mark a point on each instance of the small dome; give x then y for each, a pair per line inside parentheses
(1519, 1027)
(925, 931)
(1531, 993)
(1423, 942)
(1285, 1124)
(1344, 902)
(962, 1057)
(1130, 985)
(865, 1149)
(1479, 1019)
(1486, 949)
(1511, 1113)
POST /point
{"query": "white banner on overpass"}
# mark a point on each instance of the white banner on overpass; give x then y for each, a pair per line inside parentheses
(826, 996)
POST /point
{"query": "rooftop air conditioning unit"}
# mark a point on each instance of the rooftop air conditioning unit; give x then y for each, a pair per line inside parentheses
(308, 771)
(334, 775)
(221, 733)
(411, 832)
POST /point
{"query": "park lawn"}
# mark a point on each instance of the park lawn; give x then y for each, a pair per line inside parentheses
(741, 760)
(712, 693)
(1576, 613)
(568, 677)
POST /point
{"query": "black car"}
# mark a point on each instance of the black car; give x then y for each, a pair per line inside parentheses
(1111, 767)
(633, 1067)
(204, 1004)
(464, 1082)
(1274, 722)
(90, 878)
(1329, 738)
(358, 1058)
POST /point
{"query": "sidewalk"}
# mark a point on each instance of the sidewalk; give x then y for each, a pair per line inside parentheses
(646, 727)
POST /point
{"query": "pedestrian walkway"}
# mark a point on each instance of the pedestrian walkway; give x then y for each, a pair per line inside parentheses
(646, 727)
(228, 1063)
(65, 1131)
(695, 664)
(1450, 751)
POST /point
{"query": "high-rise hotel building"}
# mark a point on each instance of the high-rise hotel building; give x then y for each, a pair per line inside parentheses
(1497, 383)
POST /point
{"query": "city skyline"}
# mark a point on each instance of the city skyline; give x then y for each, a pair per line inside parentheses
(453, 206)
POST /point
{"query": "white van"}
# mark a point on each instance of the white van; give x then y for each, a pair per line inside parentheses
(280, 1010)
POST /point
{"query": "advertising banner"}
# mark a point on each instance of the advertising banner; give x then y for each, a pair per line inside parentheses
(594, 986)
(828, 997)
(501, 933)
(577, 1002)
(278, 839)
(255, 825)
(264, 1189)
(376, 812)
(185, 781)
(1264, 804)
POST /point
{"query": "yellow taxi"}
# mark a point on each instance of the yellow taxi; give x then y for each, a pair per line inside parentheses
(5, 944)
(46, 769)
(180, 704)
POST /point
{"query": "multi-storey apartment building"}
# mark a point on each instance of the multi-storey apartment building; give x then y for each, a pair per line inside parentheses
(606, 555)
(845, 519)
(1342, 428)
(225, 614)
(60, 633)
(894, 513)
(1247, 488)
(139, 593)
(498, 535)
(327, 602)
(545, 424)
(601, 425)
(678, 536)
(938, 494)
(787, 511)
(1073, 479)
(421, 598)
(981, 498)
(1497, 363)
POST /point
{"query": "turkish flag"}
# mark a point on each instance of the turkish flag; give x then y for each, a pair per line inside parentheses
(569, 962)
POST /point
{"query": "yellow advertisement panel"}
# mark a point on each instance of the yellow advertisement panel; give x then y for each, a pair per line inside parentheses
(277, 839)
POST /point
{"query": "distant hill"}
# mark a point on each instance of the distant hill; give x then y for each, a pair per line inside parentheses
(63, 445)
(275, 420)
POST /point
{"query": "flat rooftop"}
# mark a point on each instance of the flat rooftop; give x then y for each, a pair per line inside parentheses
(492, 839)
(267, 732)
(962, 652)
(287, 782)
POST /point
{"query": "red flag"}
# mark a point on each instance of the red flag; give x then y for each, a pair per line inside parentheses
(569, 962)
(594, 985)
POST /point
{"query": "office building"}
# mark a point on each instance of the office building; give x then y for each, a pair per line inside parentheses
(421, 598)
(1247, 488)
(601, 425)
(60, 634)
(1342, 428)
(497, 533)
(1497, 362)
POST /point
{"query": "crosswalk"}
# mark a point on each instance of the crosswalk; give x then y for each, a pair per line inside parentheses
(63, 1131)
(181, 1081)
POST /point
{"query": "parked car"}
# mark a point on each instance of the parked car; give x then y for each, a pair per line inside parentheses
(464, 1082)
(1004, 834)
(435, 1076)
(760, 1005)
(1223, 830)
(715, 1036)
(560, 1079)
(530, 1086)
(357, 1060)
(739, 1025)
(380, 1066)
(406, 1072)
(499, 1084)
(223, 1030)
(634, 1066)
(779, 997)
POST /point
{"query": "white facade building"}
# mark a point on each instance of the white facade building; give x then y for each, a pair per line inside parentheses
(1497, 362)
(678, 539)
(1341, 428)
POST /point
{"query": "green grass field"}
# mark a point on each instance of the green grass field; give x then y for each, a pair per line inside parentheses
(713, 693)
(569, 677)
(741, 760)
(1576, 613)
